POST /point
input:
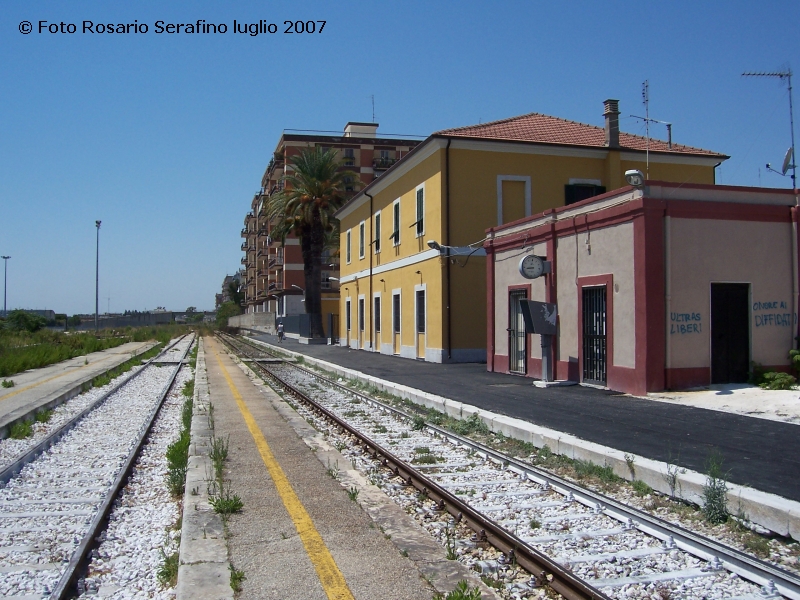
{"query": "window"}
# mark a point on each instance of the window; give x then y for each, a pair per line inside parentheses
(377, 240)
(396, 222)
(376, 316)
(361, 240)
(396, 313)
(420, 222)
(347, 314)
(384, 155)
(348, 184)
(420, 311)
(349, 158)
(347, 247)
(361, 314)
(576, 193)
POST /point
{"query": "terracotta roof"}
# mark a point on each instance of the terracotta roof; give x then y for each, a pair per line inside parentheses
(544, 129)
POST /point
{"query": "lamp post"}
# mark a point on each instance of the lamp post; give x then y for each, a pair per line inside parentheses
(5, 285)
(97, 277)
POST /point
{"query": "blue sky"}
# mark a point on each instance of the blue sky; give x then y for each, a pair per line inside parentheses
(165, 137)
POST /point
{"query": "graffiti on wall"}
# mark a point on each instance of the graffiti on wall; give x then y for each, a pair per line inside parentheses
(683, 323)
(773, 314)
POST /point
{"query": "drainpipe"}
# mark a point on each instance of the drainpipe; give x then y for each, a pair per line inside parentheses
(668, 295)
(371, 301)
(447, 244)
(795, 283)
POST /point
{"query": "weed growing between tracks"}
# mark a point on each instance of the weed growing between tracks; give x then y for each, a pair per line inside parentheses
(108, 376)
(178, 451)
(237, 577)
(462, 591)
(21, 430)
(8, 383)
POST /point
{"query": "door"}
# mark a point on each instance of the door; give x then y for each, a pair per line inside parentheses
(420, 319)
(516, 332)
(376, 319)
(361, 319)
(594, 335)
(730, 332)
(396, 323)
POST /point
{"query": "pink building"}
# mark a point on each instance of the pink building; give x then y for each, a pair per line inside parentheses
(666, 287)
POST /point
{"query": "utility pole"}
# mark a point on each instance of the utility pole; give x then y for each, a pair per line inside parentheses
(97, 278)
(5, 285)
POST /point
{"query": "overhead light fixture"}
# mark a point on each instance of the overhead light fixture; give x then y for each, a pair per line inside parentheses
(635, 178)
(434, 245)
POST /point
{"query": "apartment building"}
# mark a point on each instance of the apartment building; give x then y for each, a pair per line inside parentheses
(274, 279)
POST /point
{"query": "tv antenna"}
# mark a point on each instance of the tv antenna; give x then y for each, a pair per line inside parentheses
(373, 107)
(789, 161)
(647, 120)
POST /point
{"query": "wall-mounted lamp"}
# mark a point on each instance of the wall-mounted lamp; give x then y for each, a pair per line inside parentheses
(635, 178)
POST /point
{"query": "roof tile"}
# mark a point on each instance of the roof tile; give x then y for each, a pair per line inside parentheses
(544, 129)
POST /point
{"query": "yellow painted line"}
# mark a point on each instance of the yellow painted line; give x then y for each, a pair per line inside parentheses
(38, 383)
(329, 574)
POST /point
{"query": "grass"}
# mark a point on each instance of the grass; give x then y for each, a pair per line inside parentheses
(168, 571)
(352, 493)
(219, 454)
(21, 430)
(462, 591)
(44, 416)
(586, 468)
(641, 488)
(237, 577)
(178, 453)
(111, 374)
(226, 502)
(7, 383)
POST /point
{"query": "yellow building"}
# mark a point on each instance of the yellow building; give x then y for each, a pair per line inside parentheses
(411, 284)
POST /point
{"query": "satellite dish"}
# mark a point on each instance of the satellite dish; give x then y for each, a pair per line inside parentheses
(787, 161)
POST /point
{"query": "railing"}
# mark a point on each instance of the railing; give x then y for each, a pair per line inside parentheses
(244, 246)
(276, 261)
(244, 232)
(349, 161)
(244, 260)
(383, 163)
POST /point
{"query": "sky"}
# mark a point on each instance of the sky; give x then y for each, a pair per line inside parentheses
(164, 137)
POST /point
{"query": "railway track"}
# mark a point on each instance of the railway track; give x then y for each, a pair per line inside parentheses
(57, 495)
(580, 543)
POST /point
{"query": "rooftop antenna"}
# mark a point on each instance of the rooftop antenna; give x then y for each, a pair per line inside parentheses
(373, 107)
(789, 160)
(647, 120)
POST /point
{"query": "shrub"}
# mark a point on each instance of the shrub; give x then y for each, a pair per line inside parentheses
(777, 381)
(21, 430)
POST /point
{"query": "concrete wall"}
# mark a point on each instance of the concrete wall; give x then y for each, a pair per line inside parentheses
(262, 322)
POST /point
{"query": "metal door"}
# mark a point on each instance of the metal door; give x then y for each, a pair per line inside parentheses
(516, 332)
(594, 335)
(730, 332)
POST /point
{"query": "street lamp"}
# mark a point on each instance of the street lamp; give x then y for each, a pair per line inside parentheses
(97, 277)
(302, 290)
(5, 285)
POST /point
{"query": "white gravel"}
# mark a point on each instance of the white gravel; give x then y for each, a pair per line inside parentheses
(557, 525)
(44, 512)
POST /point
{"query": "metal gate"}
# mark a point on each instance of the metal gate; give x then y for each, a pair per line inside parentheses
(594, 335)
(516, 332)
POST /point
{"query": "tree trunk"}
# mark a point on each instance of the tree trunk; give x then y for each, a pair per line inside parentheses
(312, 245)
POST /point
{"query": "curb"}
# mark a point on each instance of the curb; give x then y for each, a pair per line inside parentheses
(779, 515)
(51, 401)
(204, 570)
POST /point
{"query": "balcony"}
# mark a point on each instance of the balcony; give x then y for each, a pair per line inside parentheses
(244, 246)
(382, 164)
(244, 232)
(244, 260)
(349, 161)
(275, 286)
(276, 261)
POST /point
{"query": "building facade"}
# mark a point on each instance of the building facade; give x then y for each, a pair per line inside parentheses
(413, 273)
(274, 277)
(667, 287)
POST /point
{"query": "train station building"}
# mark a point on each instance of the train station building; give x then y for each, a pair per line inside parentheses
(669, 286)
(411, 284)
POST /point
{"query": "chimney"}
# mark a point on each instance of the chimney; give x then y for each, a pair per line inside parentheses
(611, 113)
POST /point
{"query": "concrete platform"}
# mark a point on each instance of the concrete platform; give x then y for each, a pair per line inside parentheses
(265, 541)
(49, 386)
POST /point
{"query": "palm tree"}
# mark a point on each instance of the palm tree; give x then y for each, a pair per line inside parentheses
(312, 192)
